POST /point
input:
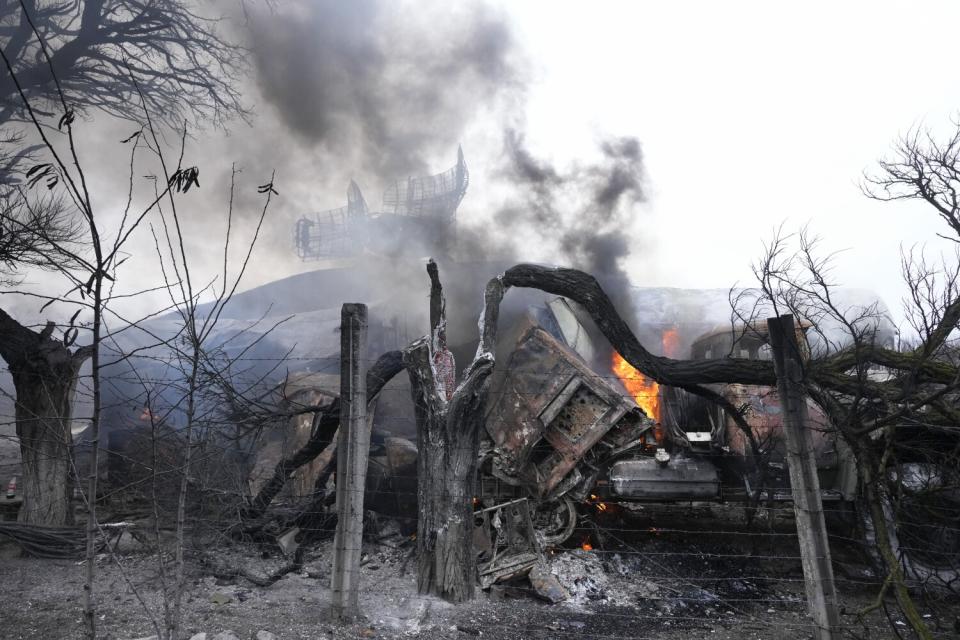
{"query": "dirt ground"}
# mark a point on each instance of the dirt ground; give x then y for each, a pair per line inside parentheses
(712, 578)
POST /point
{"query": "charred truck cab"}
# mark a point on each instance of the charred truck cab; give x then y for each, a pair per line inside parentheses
(752, 465)
(564, 428)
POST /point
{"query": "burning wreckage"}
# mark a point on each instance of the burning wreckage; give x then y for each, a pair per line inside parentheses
(570, 424)
(572, 434)
(571, 427)
(569, 421)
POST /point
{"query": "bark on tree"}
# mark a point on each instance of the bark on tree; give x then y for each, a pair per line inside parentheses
(875, 504)
(448, 446)
(44, 372)
(448, 440)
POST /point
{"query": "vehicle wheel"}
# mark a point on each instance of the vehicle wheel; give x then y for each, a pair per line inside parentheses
(555, 521)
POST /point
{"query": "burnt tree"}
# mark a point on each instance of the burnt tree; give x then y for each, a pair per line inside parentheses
(896, 409)
(449, 422)
(101, 51)
(44, 372)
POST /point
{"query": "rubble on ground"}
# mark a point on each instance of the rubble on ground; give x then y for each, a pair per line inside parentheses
(645, 585)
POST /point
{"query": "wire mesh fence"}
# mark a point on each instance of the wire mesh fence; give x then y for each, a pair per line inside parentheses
(628, 570)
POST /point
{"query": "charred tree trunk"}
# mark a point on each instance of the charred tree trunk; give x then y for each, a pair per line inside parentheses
(871, 466)
(448, 445)
(43, 412)
(44, 372)
(449, 422)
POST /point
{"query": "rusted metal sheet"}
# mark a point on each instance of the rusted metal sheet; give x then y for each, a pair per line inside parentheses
(766, 419)
(553, 409)
(507, 542)
(287, 437)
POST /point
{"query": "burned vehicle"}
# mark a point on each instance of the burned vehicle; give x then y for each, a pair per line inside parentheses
(554, 429)
(561, 434)
(571, 424)
(571, 427)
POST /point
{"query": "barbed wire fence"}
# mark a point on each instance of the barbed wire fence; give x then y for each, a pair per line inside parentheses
(636, 569)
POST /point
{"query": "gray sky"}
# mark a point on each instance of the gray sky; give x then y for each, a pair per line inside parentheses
(748, 115)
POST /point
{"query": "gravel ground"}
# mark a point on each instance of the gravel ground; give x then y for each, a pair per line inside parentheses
(660, 585)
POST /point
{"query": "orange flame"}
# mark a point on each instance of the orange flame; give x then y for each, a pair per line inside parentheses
(586, 546)
(644, 390)
(670, 341)
(600, 506)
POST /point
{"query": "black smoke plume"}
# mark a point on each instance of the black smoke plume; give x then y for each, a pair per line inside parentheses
(383, 84)
(582, 214)
(371, 88)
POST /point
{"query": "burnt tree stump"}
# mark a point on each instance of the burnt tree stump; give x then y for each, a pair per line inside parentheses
(45, 373)
(449, 423)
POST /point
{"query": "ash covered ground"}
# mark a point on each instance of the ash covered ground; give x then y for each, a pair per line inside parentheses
(656, 572)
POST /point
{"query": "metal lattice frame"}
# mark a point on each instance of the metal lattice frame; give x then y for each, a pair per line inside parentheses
(335, 232)
(436, 196)
(344, 231)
